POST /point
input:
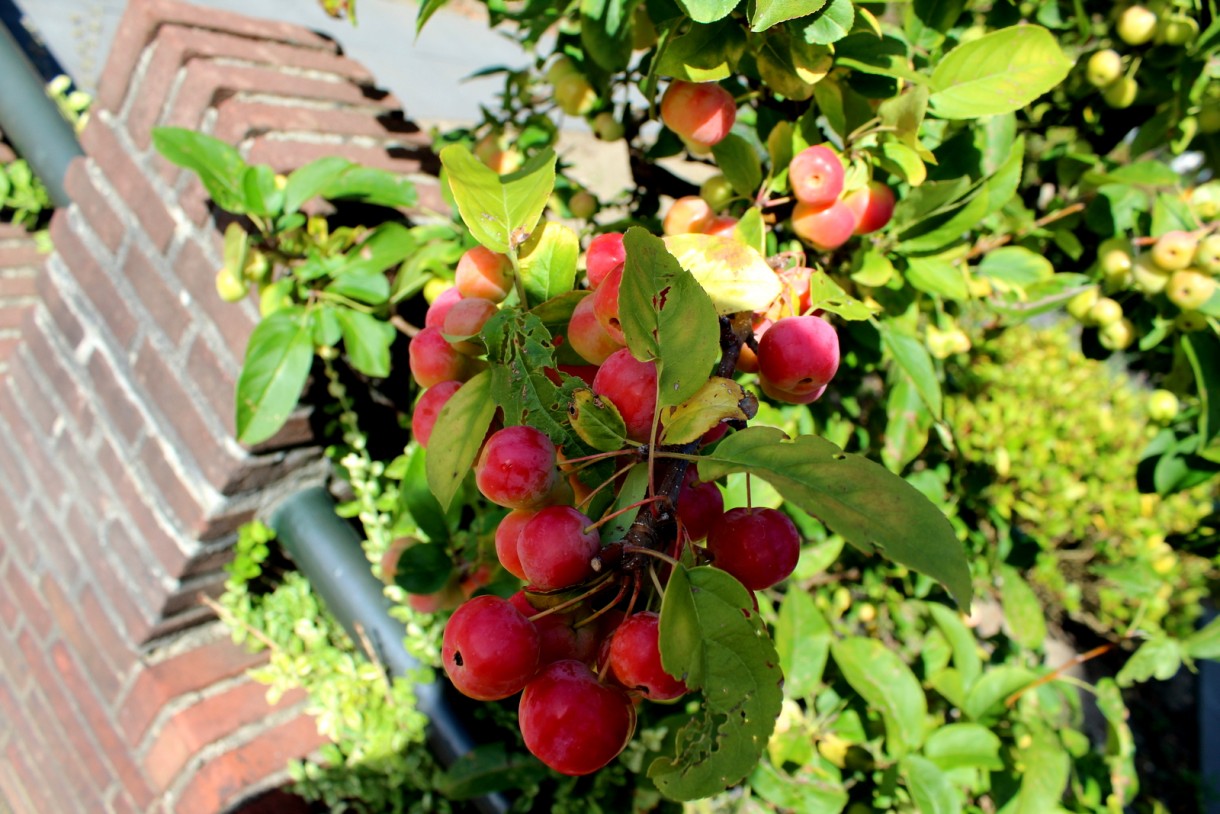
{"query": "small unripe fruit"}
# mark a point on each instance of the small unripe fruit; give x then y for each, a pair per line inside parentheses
(1117, 335)
(1105, 312)
(1174, 250)
(484, 273)
(583, 205)
(699, 112)
(1115, 259)
(1177, 29)
(1207, 255)
(1121, 93)
(717, 191)
(606, 127)
(1163, 406)
(574, 95)
(1103, 67)
(1189, 289)
(230, 286)
(1136, 25)
(687, 215)
(1149, 278)
(1190, 321)
(1079, 306)
(498, 158)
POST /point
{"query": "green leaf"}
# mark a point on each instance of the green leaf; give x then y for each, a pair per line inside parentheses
(278, 358)
(876, 510)
(740, 164)
(366, 341)
(713, 639)
(1203, 643)
(999, 72)
(936, 275)
(307, 182)
(907, 424)
(1159, 658)
(633, 490)
(735, 276)
(1016, 266)
(705, 53)
(817, 788)
(668, 317)
(606, 31)
(985, 700)
(597, 421)
(372, 186)
(326, 328)
(219, 166)
(708, 11)
(767, 13)
(961, 639)
(426, 10)
(500, 213)
(463, 421)
(1120, 743)
(262, 196)
(790, 66)
(961, 745)
(547, 262)
(423, 568)
(488, 768)
(929, 786)
(751, 230)
(385, 246)
(829, 24)
(372, 289)
(415, 500)
(236, 248)
(887, 685)
(1022, 610)
(802, 639)
(1202, 350)
(1047, 771)
(912, 358)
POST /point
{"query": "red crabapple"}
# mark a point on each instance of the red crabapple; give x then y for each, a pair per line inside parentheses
(604, 255)
(816, 176)
(466, 318)
(776, 394)
(722, 225)
(558, 635)
(555, 549)
(483, 273)
(687, 215)
(635, 659)
(433, 360)
(517, 468)
(605, 305)
(872, 205)
(489, 649)
(587, 336)
(437, 311)
(1174, 251)
(632, 387)
(799, 354)
(428, 408)
(507, 535)
(699, 112)
(825, 229)
(572, 722)
(700, 505)
(759, 547)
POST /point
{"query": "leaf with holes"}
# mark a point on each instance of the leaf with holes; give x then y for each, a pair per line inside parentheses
(712, 638)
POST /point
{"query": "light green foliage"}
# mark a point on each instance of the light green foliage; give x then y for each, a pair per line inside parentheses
(1050, 441)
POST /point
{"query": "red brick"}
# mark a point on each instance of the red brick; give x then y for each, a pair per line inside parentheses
(215, 379)
(62, 316)
(44, 795)
(222, 781)
(189, 671)
(12, 790)
(111, 306)
(49, 686)
(205, 722)
(20, 483)
(29, 396)
(285, 154)
(155, 537)
(103, 674)
(18, 284)
(142, 18)
(162, 302)
(8, 347)
(104, 632)
(67, 384)
(178, 497)
(33, 609)
(21, 254)
(238, 120)
(35, 456)
(198, 273)
(12, 315)
(176, 46)
(115, 587)
(111, 398)
(97, 208)
(100, 724)
(129, 181)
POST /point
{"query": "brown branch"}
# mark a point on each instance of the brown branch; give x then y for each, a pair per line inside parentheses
(984, 246)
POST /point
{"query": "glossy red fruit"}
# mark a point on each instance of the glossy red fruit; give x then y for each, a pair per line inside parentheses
(587, 336)
(489, 649)
(555, 549)
(799, 354)
(787, 397)
(687, 215)
(816, 176)
(484, 273)
(507, 535)
(700, 112)
(700, 505)
(604, 255)
(759, 547)
(433, 360)
(434, 317)
(635, 659)
(558, 634)
(872, 205)
(825, 229)
(466, 318)
(517, 468)
(605, 305)
(429, 406)
(573, 723)
(632, 386)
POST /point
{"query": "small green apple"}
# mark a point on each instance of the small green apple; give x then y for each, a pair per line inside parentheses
(1105, 312)
(1082, 304)
(1177, 29)
(1120, 93)
(1207, 255)
(1136, 25)
(1189, 289)
(606, 127)
(1117, 335)
(1174, 251)
(230, 286)
(1103, 67)
(1149, 278)
(717, 191)
(582, 205)
(1190, 321)
(1163, 406)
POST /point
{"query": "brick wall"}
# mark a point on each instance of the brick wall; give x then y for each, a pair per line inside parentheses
(120, 482)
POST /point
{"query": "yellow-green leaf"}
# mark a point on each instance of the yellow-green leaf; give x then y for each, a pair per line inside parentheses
(716, 401)
(735, 276)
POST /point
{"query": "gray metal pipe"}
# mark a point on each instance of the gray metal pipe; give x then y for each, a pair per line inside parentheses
(32, 121)
(328, 552)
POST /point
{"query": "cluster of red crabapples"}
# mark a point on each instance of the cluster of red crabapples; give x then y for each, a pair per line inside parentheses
(577, 642)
